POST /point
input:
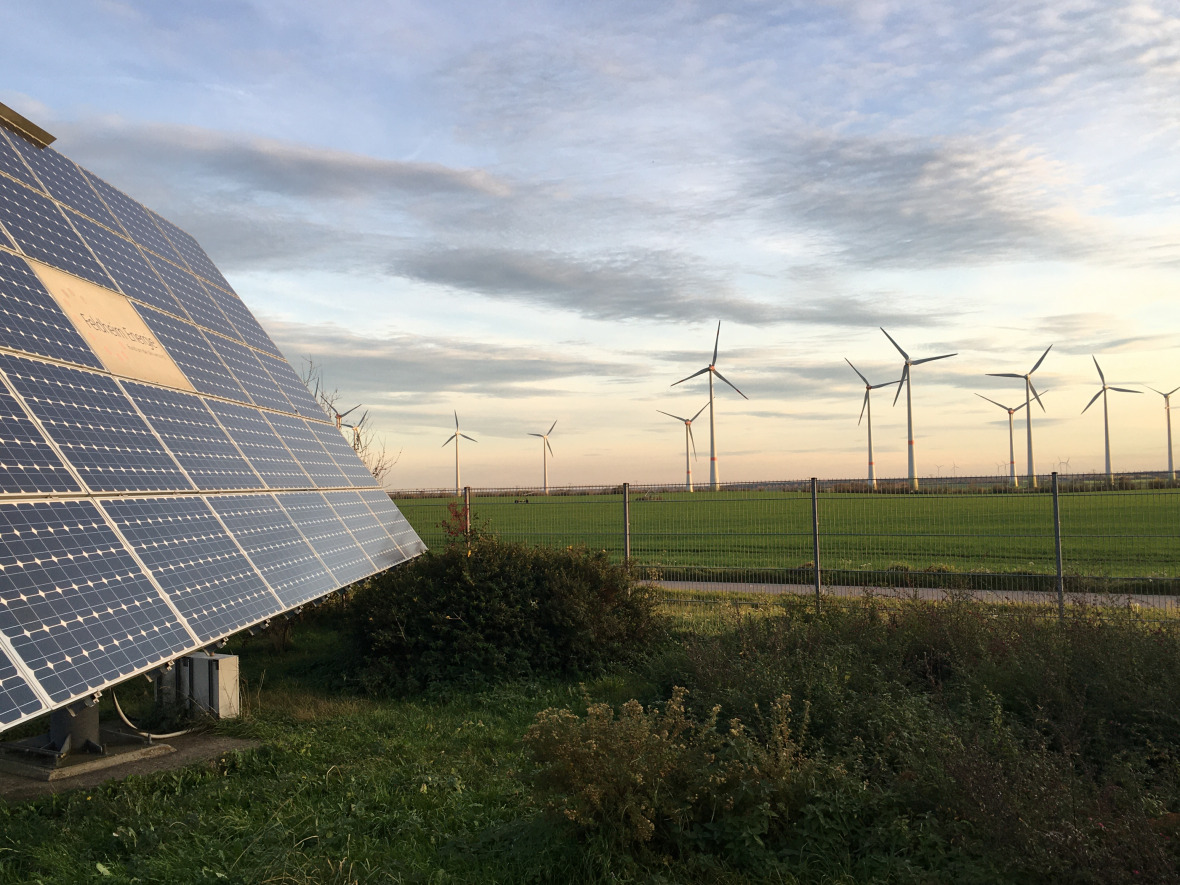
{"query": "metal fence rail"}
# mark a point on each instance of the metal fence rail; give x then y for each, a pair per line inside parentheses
(1069, 540)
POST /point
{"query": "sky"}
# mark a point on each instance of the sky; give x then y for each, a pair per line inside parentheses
(540, 211)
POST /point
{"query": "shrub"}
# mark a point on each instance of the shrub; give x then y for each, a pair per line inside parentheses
(489, 610)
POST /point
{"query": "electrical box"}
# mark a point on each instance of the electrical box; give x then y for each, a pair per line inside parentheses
(205, 683)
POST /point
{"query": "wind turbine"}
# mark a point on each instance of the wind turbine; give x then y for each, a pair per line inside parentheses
(1168, 417)
(545, 455)
(455, 436)
(354, 436)
(687, 439)
(712, 370)
(1011, 441)
(1028, 389)
(867, 406)
(1105, 413)
(909, 409)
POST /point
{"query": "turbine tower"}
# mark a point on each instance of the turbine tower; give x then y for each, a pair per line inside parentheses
(687, 439)
(909, 408)
(714, 483)
(867, 406)
(1105, 413)
(455, 436)
(1011, 440)
(1168, 418)
(545, 454)
(1028, 389)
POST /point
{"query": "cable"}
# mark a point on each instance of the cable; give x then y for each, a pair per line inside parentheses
(140, 732)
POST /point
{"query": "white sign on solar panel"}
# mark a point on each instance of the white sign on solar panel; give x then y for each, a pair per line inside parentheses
(166, 479)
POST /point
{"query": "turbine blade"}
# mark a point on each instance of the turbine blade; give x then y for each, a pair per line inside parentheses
(456, 420)
(698, 414)
(449, 438)
(551, 426)
(549, 447)
(727, 381)
(930, 359)
(350, 411)
(716, 343)
(855, 369)
(1091, 402)
(905, 373)
(1124, 390)
(538, 434)
(465, 436)
(692, 440)
(1036, 395)
(992, 401)
(670, 415)
(1041, 360)
(864, 405)
(1022, 405)
(1099, 368)
(1003, 375)
(895, 344)
(1173, 390)
(879, 386)
(693, 375)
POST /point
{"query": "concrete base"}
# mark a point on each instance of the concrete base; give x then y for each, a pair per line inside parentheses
(25, 758)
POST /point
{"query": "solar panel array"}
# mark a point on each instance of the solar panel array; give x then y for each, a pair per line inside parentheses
(166, 479)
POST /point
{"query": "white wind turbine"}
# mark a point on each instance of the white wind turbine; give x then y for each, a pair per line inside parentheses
(1168, 418)
(909, 409)
(1028, 389)
(1011, 440)
(712, 370)
(687, 439)
(867, 406)
(545, 454)
(1105, 413)
(455, 436)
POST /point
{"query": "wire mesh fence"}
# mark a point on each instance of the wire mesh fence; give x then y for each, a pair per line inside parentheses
(977, 536)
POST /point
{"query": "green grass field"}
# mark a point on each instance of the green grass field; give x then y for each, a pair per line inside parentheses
(1124, 534)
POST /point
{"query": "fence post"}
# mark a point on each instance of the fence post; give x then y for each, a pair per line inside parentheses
(1057, 546)
(467, 513)
(626, 522)
(815, 536)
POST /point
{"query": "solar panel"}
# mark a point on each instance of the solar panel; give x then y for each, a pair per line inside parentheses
(95, 427)
(194, 438)
(159, 484)
(31, 321)
(275, 546)
(196, 563)
(328, 536)
(74, 605)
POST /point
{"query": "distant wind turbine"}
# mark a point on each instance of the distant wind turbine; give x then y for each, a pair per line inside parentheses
(545, 454)
(712, 370)
(909, 409)
(1105, 413)
(1168, 417)
(455, 436)
(1028, 389)
(1011, 440)
(867, 406)
(687, 439)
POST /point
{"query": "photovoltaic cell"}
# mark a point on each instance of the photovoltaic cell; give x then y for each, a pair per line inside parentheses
(251, 375)
(11, 162)
(200, 568)
(28, 463)
(95, 427)
(192, 253)
(365, 527)
(328, 536)
(260, 444)
(395, 523)
(30, 320)
(277, 549)
(312, 456)
(191, 351)
(193, 297)
(126, 265)
(292, 386)
(16, 698)
(343, 454)
(134, 218)
(195, 438)
(74, 604)
(64, 181)
(243, 321)
(41, 231)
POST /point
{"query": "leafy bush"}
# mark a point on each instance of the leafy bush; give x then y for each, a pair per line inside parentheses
(488, 610)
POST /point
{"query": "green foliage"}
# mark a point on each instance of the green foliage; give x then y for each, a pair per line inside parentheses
(487, 610)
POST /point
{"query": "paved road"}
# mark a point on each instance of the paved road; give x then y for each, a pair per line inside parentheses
(1134, 600)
